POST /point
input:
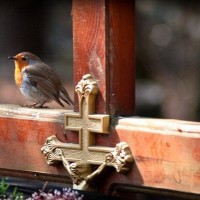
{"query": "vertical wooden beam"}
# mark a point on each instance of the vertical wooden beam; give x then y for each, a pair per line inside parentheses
(121, 57)
(104, 46)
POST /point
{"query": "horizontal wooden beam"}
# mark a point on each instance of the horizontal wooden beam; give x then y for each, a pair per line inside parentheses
(22, 135)
(166, 152)
(18, 112)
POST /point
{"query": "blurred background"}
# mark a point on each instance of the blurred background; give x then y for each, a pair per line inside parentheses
(39, 26)
(167, 60)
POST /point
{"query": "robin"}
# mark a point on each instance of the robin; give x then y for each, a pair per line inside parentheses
(37, 81)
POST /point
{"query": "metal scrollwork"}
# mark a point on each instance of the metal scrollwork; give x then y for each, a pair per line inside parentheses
(87, 86)
(121, 158)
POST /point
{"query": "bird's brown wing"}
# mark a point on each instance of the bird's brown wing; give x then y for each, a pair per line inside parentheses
(47, 82)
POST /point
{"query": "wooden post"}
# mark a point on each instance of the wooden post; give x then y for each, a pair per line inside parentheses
(104, 46)
(166, 152)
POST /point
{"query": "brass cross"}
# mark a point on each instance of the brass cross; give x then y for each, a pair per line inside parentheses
(87, 124)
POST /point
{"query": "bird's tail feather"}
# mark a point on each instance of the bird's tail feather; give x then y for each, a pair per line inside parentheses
(65, 96)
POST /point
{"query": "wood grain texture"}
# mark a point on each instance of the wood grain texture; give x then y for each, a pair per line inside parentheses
(166, 152)
(21, 141)
(89, 39)
(120, 57)
(166, 157)
(15, 111)
(104, 46)
(24, 132)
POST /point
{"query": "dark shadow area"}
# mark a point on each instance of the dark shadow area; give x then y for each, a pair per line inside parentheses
(147, 193)
(28, 187)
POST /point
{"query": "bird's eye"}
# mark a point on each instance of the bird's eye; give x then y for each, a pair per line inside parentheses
(24, 58)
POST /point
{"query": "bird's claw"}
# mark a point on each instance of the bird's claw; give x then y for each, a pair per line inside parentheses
(41, 106)
(35, 105)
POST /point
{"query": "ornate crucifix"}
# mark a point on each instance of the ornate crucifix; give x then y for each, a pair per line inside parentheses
(78, 159)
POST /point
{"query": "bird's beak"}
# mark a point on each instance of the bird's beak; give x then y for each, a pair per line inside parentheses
(12, 57)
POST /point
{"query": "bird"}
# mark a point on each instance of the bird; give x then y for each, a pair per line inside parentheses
(38, 82)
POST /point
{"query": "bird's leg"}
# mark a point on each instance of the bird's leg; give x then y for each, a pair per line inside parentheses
(29, 106)
(41, 105)
(32, 106)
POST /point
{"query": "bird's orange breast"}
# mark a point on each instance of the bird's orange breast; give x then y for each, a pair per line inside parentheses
(18, 73)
